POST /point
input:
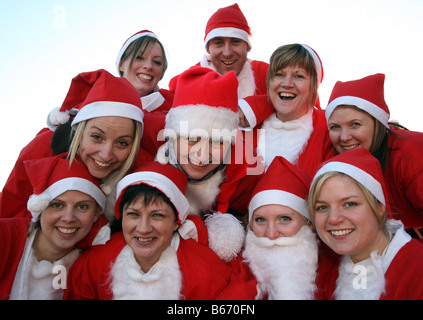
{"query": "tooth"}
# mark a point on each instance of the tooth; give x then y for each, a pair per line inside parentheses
(66, 230)
(144, 239)
(101, 164)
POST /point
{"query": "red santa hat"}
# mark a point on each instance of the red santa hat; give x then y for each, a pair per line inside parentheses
(136, 36)
(205, 103)
(366, 94)
(363, 167)
(97, 94)
(228, 22)
(52, 176)
(282, 184)
(167, 179)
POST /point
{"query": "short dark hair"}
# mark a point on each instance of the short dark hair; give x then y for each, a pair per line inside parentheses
(142, 191)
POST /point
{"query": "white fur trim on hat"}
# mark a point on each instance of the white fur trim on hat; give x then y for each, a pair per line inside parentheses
(109, 109)
(226, 235)
(161, 182)
(203, 121)
(152, 101)
(38, 203)
(228, 32)
(361, 176)
(279, 197)
(128, 43)
(360, 103)
(317, 63)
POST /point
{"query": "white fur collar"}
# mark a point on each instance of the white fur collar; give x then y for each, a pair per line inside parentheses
(286, 139)
(162, 282)
(246, 82)
(35, 279)
(285, 268)
(366, 279)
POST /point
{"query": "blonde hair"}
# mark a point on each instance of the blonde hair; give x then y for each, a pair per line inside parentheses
(117, 175)
(371, 199)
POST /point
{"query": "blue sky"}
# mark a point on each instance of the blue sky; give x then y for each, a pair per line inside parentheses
(46, 43)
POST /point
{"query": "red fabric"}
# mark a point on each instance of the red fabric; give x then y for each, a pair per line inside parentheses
(404, 277)
(204, 275)
(404, 177)
(13, 234)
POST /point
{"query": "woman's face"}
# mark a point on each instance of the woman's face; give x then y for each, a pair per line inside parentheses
(289, 92)
(146, 70)
(106, 144)
(350, 128)
(66, 221)
(198, 157)
(274, 221)
(148, 230)
(345, 221)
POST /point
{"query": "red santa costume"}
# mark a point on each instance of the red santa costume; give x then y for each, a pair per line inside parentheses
(91, 95)
(22, 276)
(199, 111)
(403, 174)
(158, 100)
(304, 142)
(185, 270)
(396, 273)
(230, 22)
(282, 268)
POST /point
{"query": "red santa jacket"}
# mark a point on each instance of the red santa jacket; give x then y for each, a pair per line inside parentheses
(404, 177)
(404, 276)
(13, 235)
(204, 275)
(319, 147)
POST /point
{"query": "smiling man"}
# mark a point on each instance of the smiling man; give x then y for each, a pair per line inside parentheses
(227, 42)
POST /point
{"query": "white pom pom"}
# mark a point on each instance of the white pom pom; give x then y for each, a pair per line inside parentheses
(56, 118)
(37, 204)
(226, 235)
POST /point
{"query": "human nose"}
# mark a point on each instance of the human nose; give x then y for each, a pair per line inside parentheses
(201, 151)
(106, 152)
(68, 214)
(148, 64)
(144, 225)
(334, 217)
(272, 231)
(227, 50)
(287, 81)
(345, 135)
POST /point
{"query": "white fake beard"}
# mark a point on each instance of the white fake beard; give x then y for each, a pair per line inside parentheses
(286, 139)
(360, 281)
(285, 268)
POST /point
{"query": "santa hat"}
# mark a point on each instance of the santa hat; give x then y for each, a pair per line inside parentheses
(317, 62)
(363, 167)
(136, 36)
(97, 94)
(282, 184)
(228, 22)
(52, 176)
(366, 94)
(167, 179)
(205, 102)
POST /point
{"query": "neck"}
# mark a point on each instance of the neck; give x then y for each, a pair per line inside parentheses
(380, 244)
(45, 250)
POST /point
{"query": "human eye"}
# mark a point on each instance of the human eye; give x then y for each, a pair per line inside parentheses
(259, 220)
(55, 205)
(158, 63)
(285, 219)
(321, 208)
(350, 204)
(95, 137)
(139, 57)
(333, 127)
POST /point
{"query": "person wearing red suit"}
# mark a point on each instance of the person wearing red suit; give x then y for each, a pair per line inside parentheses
(37, 253)
(279, 259)
(149, 259)
(107, 125)
(357, 116)
(349, 204)
(228, 41)
(142, 61)
(288, 120)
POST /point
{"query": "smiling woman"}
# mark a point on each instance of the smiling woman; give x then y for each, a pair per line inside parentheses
(106, 118)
